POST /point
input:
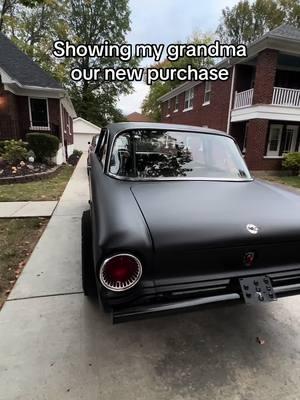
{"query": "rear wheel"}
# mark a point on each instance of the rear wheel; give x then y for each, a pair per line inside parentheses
(88, 274)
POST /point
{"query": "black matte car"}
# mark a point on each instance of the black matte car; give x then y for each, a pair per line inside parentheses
(91, 149)
(176, 222)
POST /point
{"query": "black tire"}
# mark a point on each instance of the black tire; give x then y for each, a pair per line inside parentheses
(87, 263)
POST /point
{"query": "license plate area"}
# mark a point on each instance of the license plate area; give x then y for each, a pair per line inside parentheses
(257, 289)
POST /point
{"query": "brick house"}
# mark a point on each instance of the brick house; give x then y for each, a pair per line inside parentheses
(259, 105)
(32, 101)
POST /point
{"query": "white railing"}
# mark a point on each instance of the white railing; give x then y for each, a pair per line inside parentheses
(243, 99)
(286, 97)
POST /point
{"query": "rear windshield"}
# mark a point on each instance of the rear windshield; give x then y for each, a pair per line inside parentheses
(149, 154)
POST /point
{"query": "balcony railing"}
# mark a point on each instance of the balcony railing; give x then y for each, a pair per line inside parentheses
(281, 97)
(286, 97)
(243, 99)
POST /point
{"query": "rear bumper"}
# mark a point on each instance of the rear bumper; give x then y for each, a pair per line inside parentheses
(172, 298)
(148, 311)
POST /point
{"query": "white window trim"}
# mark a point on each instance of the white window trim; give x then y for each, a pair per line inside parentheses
(187, 98)
(188, 109)
(294, 138)
(273, 157)
(205, 103)
(30, 115)
(168, 108)
(176, 109)
(273, 153)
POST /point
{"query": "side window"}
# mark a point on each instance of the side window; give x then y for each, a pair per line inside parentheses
(102, 146)
(104, 151)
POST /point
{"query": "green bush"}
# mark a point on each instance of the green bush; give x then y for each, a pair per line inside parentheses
(14, 151)
(74, 157)
(43, 145)
(291, 161)
(77, 153)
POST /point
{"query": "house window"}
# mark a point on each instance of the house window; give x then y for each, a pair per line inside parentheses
(168, 107)
(282, 139)
(207, 92)
(275, 137)
(38, 113)
(176, 103)
(291, 136)
(188, 99)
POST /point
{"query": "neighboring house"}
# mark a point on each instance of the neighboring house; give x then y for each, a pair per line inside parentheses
(32, 101)
(259, 105)
(137, 117)
(83, 133)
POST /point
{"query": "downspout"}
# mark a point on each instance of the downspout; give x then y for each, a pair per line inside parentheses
(230, 99)
(62, 131)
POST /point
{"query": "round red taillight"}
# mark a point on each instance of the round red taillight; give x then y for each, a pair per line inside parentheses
(120, 272)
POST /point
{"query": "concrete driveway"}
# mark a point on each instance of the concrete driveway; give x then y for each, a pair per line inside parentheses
(56, 344)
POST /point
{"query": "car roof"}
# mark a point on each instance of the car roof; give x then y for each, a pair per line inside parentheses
(116, 128)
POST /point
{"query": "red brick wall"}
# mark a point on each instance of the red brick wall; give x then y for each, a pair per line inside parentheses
(256, 147)
(14, 112)
(67, 127)
(214, 115)
(23, 115)
(265, 76)
(54, 111)
(9, 120)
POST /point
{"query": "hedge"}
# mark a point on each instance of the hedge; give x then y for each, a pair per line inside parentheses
(43, 145)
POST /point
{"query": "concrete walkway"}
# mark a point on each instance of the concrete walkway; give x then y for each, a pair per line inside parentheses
(23, 209)
(56, 344)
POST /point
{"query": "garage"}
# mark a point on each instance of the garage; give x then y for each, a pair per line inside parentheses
(83, 133)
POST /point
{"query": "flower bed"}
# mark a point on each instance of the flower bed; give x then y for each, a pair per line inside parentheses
(25, 174)
(18, 162)
(22, 169)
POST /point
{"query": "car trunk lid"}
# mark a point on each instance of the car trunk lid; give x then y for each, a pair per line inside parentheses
(201, 226)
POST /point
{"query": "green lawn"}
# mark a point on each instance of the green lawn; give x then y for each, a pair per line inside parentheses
(293, 181)
(48, 189)
(17, 240)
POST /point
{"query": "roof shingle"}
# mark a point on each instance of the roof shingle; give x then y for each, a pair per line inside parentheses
(22, 68)
(286, 31)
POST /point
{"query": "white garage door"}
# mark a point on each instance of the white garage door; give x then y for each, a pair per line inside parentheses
(81, 141)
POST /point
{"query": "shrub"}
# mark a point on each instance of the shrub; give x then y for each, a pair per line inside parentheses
(77, 153)
(74, 157)
(291, 161)
(14, 151)
(43, 145)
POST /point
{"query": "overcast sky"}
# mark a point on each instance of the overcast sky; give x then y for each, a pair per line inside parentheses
(168, 21)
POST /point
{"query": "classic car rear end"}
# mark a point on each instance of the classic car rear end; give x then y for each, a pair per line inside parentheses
(176, 222)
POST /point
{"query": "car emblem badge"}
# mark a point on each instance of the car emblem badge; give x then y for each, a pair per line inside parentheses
(249, 258)
(252, 229)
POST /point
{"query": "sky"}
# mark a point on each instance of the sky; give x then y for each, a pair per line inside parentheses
(168, 21)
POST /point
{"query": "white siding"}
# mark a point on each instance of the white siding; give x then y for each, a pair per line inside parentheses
(83, 133)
